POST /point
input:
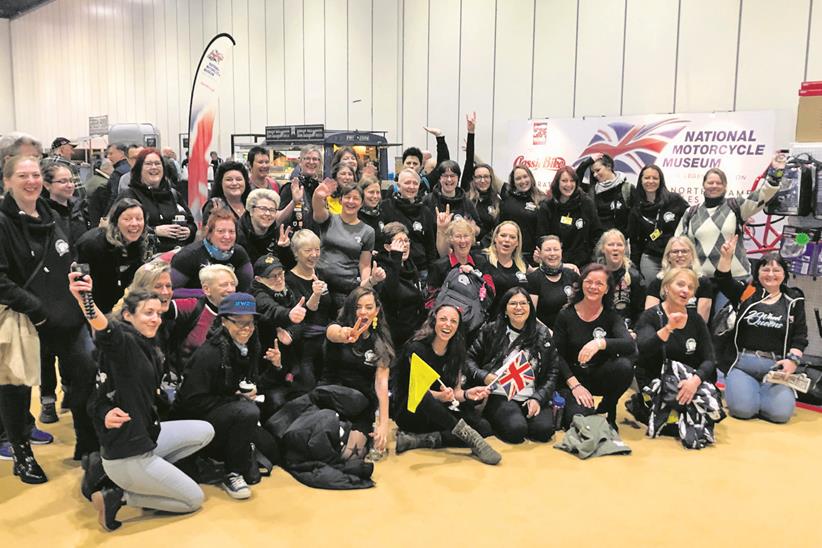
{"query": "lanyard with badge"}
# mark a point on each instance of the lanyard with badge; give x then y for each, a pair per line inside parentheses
(654, 236)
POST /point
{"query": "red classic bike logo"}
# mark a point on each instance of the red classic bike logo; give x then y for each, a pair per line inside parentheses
(540, 133)
(215, 56)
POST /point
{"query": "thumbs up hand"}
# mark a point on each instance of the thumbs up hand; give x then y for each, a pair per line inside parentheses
(297, 314)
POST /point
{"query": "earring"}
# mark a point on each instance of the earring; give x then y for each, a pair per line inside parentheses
(374, 323)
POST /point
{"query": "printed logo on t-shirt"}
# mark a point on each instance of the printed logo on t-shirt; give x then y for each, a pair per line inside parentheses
(600, 333)
(61, 246)
(579, 223)
(530, 206)
(521, 276)
(690, 346)
(569, 291)
(381, 225)
(668, 216)
(490, 210)
(370, 358)
(358, 239)
(416, 226)
(616, 205)
(765, 320)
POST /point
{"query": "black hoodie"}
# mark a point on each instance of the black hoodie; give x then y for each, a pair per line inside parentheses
(575, 222)
(161, 205)
(459, 205)
(652, 224)
(419, 220)
(23, 241)
(521, 208)
(256, 245)
(402, 296)
(303, 219)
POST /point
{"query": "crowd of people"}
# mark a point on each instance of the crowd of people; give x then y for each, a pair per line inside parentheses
(304, 308)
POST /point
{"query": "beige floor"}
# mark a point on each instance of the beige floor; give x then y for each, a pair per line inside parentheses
(760, 486)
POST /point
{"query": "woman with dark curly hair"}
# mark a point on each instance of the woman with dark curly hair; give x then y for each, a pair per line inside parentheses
(230, 190)
(516, 336)
(438, 421)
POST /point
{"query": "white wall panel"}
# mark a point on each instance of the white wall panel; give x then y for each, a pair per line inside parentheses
(444, 72)
(650, 56)
(335, 64)
(359, 65)
(415, 73)
(707, 55)
(294, 75)
(385, 74)
(599, 64)
(815, 44)
(6, 87)
(274, 62)
(398, 65)
(512, 92)
(755, 90)
(476, 75)
(554, 41)
(314, 53)
(257, 66)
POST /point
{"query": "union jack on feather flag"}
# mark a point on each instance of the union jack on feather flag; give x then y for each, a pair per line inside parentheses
(633, 146)
(515, 374)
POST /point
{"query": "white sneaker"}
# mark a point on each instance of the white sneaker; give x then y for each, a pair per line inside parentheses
(234, 484)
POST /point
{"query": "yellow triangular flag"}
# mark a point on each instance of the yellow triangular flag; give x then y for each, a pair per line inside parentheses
(419, 381)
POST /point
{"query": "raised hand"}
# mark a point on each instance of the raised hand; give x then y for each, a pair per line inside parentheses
(443, 217)
(729, 247)
(297, 192)
(435, 131)
(285, 236)
(297, 314)
(677, 320)
(377, 273)
(274, 356)
(471, 121)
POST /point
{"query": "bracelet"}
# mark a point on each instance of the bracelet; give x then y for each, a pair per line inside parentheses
(576, 386)
(794, 358)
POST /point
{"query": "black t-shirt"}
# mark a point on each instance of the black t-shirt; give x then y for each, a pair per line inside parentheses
(690, 345)
(552, 295)
(326, 311)
(762, 327)
(351, 365)
(400, 373)
(704, 291)
(571, 333)
(505, 277)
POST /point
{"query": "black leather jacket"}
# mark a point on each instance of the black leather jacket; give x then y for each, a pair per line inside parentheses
(484, 357)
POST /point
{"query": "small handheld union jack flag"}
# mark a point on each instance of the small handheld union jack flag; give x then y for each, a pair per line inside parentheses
(515, 374)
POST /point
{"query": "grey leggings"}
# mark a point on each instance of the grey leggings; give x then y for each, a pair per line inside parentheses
(151, 481)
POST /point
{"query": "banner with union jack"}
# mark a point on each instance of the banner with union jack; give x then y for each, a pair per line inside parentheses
(515, 379)
(683, 145)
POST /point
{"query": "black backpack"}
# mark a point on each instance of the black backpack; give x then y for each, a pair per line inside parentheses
(469, 294)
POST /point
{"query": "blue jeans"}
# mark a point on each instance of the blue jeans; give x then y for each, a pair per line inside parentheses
(747, 396)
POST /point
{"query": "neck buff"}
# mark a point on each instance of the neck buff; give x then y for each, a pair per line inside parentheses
(549, 270)
(215, 253)
(713, 202)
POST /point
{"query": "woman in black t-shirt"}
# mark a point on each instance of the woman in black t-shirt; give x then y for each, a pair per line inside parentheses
(437, 421)
(360, 360)
(680, 253)
(770, 334)
(627, 292)
(672, 330)
(552, 286)
(593, 345)
(507, 269)
(305, 281)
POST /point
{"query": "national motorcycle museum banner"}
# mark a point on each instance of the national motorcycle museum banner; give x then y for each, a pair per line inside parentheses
(683, 145)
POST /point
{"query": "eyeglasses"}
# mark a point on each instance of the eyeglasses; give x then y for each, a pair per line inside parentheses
(518, 304)
(311, 159)
(448, 176)
(241, 325)
(277, 275)
(152, 164)
(679, 252)
(265, 210)
(62, 181)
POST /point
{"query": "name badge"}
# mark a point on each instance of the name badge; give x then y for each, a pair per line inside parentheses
(655, 234)
(566, 220)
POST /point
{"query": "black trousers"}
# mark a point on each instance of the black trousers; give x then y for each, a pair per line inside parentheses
(234, 425)
(609, 380)
(15, 419)
(510, 422)
(435, 416)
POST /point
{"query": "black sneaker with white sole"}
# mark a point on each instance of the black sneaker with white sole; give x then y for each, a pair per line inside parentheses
(234, 484)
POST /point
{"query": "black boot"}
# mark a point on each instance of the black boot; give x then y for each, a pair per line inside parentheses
(407, 441)
(108, 502)
(479, 447)
(25, 466)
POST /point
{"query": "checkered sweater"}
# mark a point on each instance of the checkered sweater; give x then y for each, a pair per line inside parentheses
(709, 228)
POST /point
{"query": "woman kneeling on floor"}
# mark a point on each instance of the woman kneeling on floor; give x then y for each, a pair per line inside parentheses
(137, 449)
(516, 348)
(220, 386)
(358, 353)
(770, 334)
(445, 416)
